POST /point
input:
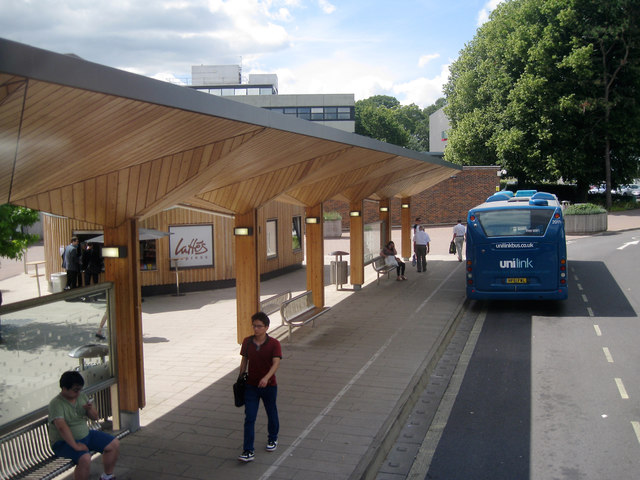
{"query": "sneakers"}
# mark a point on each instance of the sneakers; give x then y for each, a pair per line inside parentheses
(247, 456)
(272, 445)
(104, 477)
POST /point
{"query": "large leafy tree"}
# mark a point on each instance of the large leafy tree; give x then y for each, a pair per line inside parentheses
(13, 241)
(550, 89)
(383, 118)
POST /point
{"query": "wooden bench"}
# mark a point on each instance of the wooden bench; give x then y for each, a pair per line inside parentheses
(381, 268)
(273, 304)
(300, 310)
(26, 453)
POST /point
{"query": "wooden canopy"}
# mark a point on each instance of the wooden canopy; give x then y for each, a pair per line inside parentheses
(102, 145)
(108, 147)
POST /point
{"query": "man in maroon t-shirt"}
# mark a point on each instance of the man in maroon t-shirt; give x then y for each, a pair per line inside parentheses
(262, 355)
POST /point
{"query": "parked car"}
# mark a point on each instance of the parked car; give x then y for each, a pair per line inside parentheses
(632, 189)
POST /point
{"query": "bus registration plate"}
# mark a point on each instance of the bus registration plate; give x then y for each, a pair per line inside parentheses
(516, 280)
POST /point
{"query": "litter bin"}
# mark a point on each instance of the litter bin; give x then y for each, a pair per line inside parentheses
(339, 269)
(58, 282)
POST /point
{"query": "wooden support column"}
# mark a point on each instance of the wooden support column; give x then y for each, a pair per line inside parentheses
(405, 217)
(315, 255)
(125, 275)
(247, 274)
(356, 228)
(385, 218)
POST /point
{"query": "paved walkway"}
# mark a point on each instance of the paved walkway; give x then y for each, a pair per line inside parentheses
(342, 384)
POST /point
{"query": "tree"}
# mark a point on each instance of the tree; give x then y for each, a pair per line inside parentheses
(549, 89)
(383, 118)
(13, 241)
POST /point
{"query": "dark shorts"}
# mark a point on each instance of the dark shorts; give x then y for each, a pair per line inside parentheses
(97, 441)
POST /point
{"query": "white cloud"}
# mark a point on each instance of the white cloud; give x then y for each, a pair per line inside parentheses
(422, 91)
(483, 15)
(424, 59)
(326, 6)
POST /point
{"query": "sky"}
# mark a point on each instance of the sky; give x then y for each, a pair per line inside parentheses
(401, 48)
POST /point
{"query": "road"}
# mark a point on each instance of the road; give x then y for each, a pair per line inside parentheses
(552, 390)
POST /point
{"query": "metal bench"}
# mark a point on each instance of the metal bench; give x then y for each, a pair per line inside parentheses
(300, 310)
(26, 454)
(381, 268)
(273, 304)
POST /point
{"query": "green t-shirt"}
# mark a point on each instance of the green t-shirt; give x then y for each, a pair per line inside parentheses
(74, 415)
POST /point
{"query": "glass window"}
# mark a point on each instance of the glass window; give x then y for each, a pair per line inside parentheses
(317, 113)
(275, 109)
(296, 233)
(228, 92)
(240, 91)
(215, 91)
(148, 255)
(330, 113)
(515, 222)
(47, 336)
(290, 111)
(272, 238)
(345, 113)
(253, 91)
(266, 91)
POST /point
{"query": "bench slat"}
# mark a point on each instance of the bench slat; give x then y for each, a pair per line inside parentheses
(381, 268)
(300, 310)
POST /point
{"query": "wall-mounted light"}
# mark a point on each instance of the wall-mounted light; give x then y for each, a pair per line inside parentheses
(406, 205)
(312, 220)
(243, 231)
(114, 252)
(354, 213)
(384, 209)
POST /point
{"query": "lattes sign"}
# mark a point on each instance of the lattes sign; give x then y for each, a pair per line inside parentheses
(191, 245)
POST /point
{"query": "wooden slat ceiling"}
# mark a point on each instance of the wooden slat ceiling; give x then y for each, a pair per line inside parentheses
(101, 145)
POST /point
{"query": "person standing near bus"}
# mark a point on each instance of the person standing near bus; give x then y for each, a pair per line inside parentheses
(421, 245)
(459, 232)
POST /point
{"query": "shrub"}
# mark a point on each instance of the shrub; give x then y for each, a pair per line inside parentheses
(583, 209)
(331, 216)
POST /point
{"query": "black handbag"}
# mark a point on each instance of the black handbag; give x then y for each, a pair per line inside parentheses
(238, 390)
(452, 247)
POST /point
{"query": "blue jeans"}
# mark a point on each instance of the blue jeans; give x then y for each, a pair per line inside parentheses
(252, 396)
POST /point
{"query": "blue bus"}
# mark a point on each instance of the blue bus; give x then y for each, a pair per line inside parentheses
(516, 247)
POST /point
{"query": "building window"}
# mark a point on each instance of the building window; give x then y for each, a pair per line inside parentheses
(253, 91)
(228, 92)
(317, 113)
(266, 91)
(148, 255)
(240, 91)
(296, 233)
(330, 113)
(272, 238)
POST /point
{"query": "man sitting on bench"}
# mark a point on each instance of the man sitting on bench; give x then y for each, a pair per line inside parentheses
(69, 433)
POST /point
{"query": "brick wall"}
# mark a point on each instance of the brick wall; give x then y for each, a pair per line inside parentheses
(443, 203)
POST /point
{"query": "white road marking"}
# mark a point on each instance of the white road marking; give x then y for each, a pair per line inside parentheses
(579, 286)
(598, 331)
(584, 298)
(636, 428)
(621, 389)
(590, 311)
(607, 354)
(325, 412)
(625, 245)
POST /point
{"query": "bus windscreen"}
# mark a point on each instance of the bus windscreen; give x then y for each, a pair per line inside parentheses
(515, 222)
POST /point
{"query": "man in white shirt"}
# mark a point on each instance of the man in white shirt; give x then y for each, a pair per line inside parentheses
(459, 232)
(421, 242)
